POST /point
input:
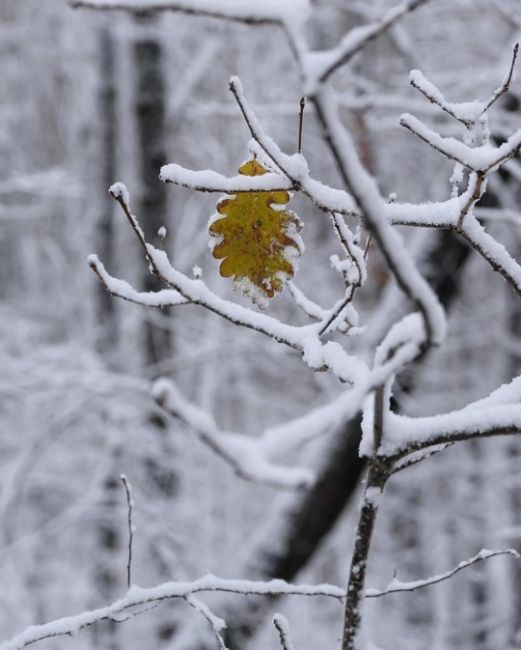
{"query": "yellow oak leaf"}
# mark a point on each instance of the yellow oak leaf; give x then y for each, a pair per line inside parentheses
(257, 239)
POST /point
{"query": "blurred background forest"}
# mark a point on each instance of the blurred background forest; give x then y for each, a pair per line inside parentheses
(87, 99)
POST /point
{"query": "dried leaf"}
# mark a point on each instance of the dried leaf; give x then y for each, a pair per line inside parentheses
(257, 239)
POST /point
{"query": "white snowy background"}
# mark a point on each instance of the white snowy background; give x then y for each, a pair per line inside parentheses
(77, 366)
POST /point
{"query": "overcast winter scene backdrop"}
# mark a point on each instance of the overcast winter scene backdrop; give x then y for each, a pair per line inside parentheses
(269, 409)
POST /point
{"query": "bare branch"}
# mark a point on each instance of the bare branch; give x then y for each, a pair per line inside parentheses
(395, 586)
(505, 86)
(131, 529)
(301, 124)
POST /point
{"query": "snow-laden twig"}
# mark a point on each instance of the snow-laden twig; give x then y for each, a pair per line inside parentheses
(282, 626)
(505, 86)
(217, 624)
(363, 187)
(398, 349)
(418, 457)
(465, 112)
(478, 159)
(137, 597)
(209, 181)
(494, 253)
(319, 66)
(396, 586)
(185, 290)
(468, 113)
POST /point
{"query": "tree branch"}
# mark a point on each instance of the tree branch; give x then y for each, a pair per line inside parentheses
(136, 596)
(396, 586)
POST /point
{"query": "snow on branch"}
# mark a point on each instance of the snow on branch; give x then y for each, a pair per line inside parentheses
(465, 112)
(139, 597)
(323, 419)
(184, 290)
(124, 290)
(267, 11)
(396, 586)
(480, 159)
(247, 456)
(374, 209)
(217, 624)
(318, 66)
(405, 435)
(210, 181)
(468, 113)
(294, 167)
(492, 252)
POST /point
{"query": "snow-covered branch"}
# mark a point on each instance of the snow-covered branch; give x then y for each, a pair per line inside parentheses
(406, 435)
(492, 252)
(480, 159)
(267, 11)
(210, 181)
(319, 66)
(143, 597)
(184, 290)
(397, 586)
(363, 187)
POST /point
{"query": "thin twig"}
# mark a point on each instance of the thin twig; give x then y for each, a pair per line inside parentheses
(282, 626)
(505, 87)
(428, 136)
(447, 107)
(301, 123)
(131, 528)
(148, 8)
(414, 459)
(216, 623)
(357, 38)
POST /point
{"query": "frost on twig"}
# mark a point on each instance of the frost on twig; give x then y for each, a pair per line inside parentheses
(282, 626)
(217, 624)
